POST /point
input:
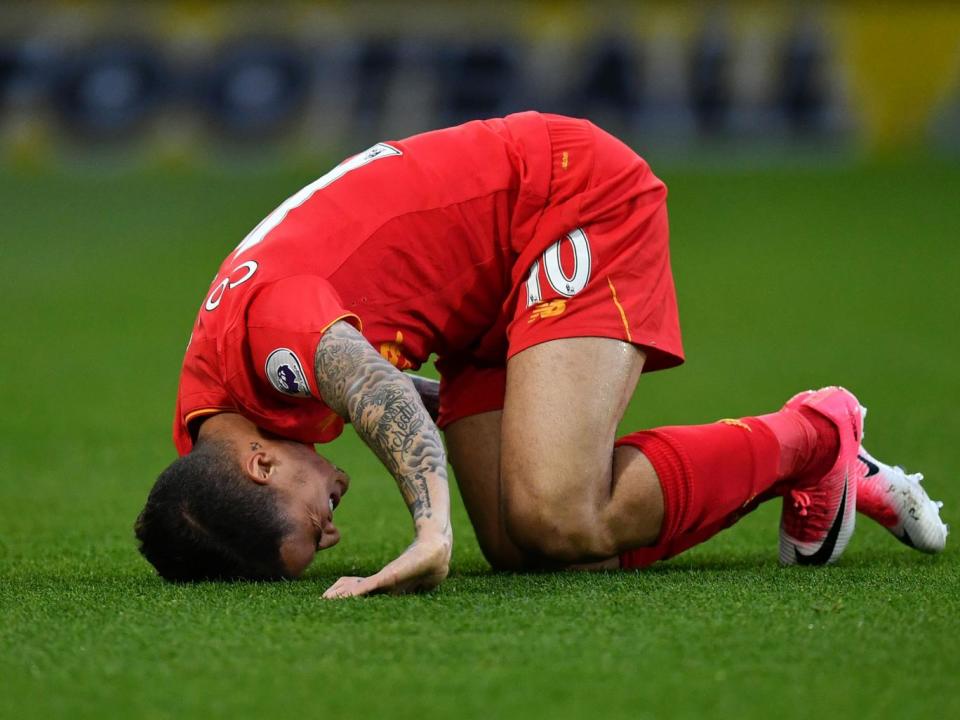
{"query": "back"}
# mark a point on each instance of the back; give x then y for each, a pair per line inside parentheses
(412, 240)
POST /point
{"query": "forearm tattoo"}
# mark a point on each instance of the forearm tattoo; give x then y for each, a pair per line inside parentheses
(381, 402)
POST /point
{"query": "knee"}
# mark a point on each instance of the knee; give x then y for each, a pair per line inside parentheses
(508, 559)
(504, 555)
(559, 529)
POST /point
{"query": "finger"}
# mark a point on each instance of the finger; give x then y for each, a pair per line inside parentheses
(362, 586)
(337, 590)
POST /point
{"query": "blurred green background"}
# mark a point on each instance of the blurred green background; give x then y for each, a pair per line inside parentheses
(807, 251)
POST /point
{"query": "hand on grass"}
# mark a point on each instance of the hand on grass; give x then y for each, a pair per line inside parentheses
(421, 567)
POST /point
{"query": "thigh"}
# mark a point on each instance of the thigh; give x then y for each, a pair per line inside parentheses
(473, 446)
(564, 399)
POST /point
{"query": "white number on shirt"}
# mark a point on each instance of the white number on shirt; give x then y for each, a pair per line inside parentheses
(239, 275)
(378, 151)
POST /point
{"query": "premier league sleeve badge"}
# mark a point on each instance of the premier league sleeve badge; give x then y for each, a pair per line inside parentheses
(285, 373)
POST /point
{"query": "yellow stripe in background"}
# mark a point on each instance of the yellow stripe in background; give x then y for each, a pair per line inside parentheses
(903, 60)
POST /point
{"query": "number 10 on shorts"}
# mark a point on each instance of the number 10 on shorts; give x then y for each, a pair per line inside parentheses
(572, 249)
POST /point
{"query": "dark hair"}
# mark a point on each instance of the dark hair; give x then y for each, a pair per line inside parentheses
(205, 520)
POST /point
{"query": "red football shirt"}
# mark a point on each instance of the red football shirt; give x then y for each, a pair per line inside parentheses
(412, 241)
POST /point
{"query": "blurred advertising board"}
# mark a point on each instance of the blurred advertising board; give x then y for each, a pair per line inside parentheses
(189, 80)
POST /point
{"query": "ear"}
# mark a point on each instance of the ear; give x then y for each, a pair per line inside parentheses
(259, 466)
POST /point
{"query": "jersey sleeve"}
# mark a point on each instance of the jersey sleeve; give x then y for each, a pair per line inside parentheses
(269, 357)
(285, 322)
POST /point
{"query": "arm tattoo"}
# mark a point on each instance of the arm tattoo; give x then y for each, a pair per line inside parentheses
(381, 402)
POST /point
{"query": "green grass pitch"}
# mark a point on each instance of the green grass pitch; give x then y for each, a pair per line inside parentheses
(787, 279)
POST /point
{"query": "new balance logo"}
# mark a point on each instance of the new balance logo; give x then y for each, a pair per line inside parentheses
(547, 310)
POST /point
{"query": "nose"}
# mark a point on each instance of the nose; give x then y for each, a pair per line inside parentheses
(344, 481)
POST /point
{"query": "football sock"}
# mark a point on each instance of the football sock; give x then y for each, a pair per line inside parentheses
(806, 439)
(711, 475)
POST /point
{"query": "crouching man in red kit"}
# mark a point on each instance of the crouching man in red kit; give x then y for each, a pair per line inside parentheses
(531, 255)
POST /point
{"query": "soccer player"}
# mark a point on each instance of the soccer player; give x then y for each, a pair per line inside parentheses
(530, 254)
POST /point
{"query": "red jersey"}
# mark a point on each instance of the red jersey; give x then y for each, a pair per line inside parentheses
(420, 243)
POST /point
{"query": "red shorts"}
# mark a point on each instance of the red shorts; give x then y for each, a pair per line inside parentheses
(598, 266)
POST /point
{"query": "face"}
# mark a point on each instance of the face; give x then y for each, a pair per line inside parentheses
(310, 487)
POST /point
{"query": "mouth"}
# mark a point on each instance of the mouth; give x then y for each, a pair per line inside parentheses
(340, 484)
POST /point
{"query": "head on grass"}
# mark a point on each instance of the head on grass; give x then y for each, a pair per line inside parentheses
(240, 505)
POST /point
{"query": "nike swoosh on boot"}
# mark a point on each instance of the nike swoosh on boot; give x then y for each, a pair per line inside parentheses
(822, 556)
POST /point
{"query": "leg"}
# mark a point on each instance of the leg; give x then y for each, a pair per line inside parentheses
(473, 446)
(570, 497)
(567, 495)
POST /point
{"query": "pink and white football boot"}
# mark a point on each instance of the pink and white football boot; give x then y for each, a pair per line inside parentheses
(898, 501)
(819, 511)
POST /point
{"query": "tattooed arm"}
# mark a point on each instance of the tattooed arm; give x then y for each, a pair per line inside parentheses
(357, 383)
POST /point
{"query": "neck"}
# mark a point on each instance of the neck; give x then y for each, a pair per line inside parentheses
(225, 424)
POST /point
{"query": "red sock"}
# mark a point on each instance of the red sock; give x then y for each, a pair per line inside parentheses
(645, 556)
(806, 439)
(712, 475)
